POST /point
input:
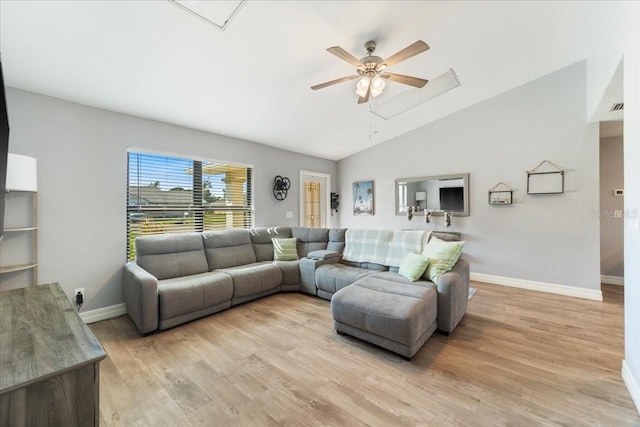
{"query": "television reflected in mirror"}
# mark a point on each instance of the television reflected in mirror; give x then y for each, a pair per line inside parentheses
(439, 194)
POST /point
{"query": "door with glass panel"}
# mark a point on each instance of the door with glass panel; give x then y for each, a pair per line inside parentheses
(312, 215)
(313, 199)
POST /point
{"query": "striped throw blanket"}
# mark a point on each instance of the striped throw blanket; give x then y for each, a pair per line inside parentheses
(367, 245)
(404, 242)
(382, 246)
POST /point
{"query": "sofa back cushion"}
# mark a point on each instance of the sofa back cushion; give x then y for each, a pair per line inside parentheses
(310, 239)
(171, 255)
(336, 239)
(228, 248)
(447, 236)
(262, 243)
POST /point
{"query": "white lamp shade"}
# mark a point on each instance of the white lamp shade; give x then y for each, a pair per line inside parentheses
(22, 173)
(421, 195)
(377, 86)
(362, 86)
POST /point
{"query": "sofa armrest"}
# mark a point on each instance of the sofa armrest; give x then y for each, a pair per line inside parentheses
(453, 296)
(308, 267)
(141, 297)
(323, 254)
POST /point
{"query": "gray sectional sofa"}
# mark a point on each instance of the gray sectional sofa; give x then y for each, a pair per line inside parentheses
(181, 277)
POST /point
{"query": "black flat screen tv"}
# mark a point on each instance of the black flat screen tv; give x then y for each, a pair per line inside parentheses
(452, 198)
(4, 149)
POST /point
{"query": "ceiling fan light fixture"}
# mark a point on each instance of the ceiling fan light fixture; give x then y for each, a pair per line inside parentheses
(363, 86)
(370, 67)
(377, 86)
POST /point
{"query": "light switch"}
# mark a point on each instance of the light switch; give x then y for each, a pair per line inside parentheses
(289, 214)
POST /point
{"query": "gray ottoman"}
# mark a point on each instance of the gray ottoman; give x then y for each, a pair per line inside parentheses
(397, 316)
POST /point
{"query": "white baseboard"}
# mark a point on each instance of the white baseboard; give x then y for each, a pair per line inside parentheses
(552, 288)
(632, 384)
(104, 313)
(612, 280)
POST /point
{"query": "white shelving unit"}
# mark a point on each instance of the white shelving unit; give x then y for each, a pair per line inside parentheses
(19, 246)
(15, 237)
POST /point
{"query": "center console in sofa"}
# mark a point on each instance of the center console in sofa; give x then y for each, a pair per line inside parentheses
(180, 277)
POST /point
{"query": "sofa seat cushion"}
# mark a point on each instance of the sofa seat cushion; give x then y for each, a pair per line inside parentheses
(255, 278)
(181, 295)
(390, 276)
(333, 277)
(400, 312)
(290, 272)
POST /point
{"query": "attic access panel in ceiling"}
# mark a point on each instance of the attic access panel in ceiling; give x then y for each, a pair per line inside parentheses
(218, 13)
(412, 98)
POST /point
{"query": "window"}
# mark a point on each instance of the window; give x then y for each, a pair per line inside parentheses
(168, 194)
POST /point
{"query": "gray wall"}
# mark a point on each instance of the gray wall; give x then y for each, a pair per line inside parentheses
(611, 228)
(82, 179)
(552, 238)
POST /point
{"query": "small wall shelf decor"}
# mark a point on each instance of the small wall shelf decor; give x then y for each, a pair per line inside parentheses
(546, 178)
(501, 194)
(280, 187)
(335, 202)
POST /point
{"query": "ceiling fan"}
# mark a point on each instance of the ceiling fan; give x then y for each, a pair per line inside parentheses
(371, 69)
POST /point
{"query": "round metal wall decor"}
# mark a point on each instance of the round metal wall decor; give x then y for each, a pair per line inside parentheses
(280, 187)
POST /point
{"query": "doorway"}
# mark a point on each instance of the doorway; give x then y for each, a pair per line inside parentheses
(611, 213)
(314, 199)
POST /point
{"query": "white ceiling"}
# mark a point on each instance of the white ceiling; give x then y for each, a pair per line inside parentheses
(252, 80)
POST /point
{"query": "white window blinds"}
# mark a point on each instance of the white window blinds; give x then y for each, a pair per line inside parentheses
(174, 195)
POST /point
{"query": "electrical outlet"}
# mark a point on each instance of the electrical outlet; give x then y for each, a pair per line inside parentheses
(78, 296)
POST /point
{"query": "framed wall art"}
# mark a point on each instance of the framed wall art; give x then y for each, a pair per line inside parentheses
(363, 198)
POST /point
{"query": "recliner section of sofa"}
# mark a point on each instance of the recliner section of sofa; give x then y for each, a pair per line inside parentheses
(177, 278)
(181, 277)
(171, 283)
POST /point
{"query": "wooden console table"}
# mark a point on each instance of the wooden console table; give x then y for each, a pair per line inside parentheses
(49, 360)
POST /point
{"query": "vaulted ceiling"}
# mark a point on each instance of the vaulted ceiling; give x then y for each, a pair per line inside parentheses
(252, 80)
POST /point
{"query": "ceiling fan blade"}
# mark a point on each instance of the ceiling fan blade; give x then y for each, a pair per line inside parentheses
(333, 82)
(406, 53)
(405, 80)
(365, 98)
(345, 56)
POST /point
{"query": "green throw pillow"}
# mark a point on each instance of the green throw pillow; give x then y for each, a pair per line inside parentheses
(442, 257)
(413, 265)
(285, 249)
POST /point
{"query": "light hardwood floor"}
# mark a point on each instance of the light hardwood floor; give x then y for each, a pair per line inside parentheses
(518, 358)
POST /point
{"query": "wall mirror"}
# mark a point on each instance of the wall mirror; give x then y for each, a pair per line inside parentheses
(443, 193)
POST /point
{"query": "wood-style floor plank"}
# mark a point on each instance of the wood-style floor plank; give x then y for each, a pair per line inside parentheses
(517, 358)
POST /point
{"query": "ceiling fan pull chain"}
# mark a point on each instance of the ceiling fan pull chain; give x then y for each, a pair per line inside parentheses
(373, 122)
(370, 121)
